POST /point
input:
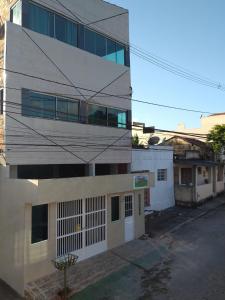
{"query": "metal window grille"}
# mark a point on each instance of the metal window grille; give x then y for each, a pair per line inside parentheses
(128, 206)
(162, 174)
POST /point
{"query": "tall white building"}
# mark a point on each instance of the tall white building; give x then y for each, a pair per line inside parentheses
(65, 135)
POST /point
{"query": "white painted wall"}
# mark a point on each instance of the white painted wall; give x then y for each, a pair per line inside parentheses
(157, 157)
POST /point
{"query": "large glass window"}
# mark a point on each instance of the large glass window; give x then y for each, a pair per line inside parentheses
(115, 208)
(40, 20)
(117, 118)
(67, 110)
(97, 115)
(45, 21)
(38, 105)
(39, 228)
(65, 30)
(16, 13)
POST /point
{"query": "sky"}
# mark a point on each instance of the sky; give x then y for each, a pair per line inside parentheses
(189, 33)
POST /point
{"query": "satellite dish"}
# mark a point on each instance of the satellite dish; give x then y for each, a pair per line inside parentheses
(153, 140)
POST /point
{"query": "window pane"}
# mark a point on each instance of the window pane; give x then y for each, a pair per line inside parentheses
(73, 111)
(62, 109)
(116, 118)
(39, 230)
(48, 106)
(115, 208)
(111, 51)
(97, 115)
(38, 105)
(120, 54)
(65, 30)
(40, 20)
(162, 174)
(90, 41)
(100, 45)
(16, 13)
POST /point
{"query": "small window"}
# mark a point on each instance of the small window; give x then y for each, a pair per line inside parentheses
(162, 174)
(115, 208)
(39, 230)
(186, 176)
(97, 115)
(117, 118)
(65, 30)
(16, 16)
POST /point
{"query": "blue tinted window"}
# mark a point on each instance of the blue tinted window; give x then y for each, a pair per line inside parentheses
(40, 20)
(120, 54)
(38, 105)
(97, 115)
(65, 30)
(111, 50)
(100, 45)
(117, 118)
(90, 41)
(67, 110)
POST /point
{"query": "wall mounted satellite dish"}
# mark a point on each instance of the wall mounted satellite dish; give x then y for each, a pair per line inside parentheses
(153, 140)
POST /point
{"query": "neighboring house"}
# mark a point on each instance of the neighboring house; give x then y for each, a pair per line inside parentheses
(157, 160)
(65, 146)
(197, 176)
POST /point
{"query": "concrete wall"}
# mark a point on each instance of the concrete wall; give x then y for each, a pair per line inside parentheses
(204, 191)
(85, 70)
(157, 157)
(219, 186)
(183, 193)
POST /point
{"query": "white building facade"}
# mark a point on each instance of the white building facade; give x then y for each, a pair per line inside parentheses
(65, 181)
(157, 160)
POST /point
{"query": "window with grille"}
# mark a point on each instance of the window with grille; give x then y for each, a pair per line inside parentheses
(162, 174)
(128, 206)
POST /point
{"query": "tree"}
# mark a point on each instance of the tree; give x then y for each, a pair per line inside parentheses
(216, 138)
(136, 143)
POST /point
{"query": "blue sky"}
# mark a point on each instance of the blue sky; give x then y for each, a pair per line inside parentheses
(190, 33)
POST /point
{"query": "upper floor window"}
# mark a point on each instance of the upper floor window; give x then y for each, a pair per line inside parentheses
(40, 20)
(162, 174)
(46, 106)
(16, 13)
(47, 22)
(49, 107)
(65, 30)
(104, 47)
(100, 115)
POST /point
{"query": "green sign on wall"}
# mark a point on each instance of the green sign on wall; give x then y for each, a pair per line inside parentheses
(141, 181)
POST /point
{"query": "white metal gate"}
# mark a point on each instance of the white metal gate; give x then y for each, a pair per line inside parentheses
(129, 217)
(81, 227)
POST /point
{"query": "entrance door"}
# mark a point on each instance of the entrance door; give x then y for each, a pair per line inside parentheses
(129, 218)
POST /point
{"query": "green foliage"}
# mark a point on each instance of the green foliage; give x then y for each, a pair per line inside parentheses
(135, 140)
(216, 138)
